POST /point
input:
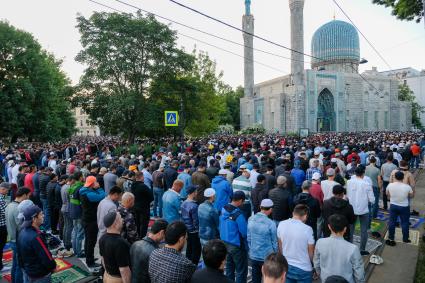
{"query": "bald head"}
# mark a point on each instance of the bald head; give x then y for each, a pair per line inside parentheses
(127, 200)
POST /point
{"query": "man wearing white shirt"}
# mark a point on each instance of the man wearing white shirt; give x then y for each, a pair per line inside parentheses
(296, 242)
(328, 184)
(254, 175)
(360, 194)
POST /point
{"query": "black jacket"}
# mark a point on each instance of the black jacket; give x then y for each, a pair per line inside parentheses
(270, 181)
(259, 193)
(282, 203)
(211, 172)
(139, 256)
(337, 206)
(314, 208)
(209, 275)
(43, 180)
(143, 196)
(170, 175)
(53, 195)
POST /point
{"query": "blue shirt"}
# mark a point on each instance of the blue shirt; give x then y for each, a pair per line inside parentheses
(171, 206)
(363, 156)
(233, 225)
(262, 236)
(208, 221)
(187, 181)
(147, 178)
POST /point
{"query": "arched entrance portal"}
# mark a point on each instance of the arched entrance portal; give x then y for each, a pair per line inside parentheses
(325, 112)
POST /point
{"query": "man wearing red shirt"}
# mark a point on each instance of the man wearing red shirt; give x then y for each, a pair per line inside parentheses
(28, 178)
(353, 155)
(416, 152)
(316, 189)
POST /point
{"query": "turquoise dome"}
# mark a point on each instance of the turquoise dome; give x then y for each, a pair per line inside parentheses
(335, 42)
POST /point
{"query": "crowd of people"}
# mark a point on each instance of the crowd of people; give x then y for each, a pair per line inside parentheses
(285, 206)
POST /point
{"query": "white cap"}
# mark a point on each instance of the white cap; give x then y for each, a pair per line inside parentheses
(209, 192)
(247, 171)
(266, 203)
(334, 160)
(316, 176)
(140, 157)
(132, 156)
(316, 152)
(222, 172)
(242, 166)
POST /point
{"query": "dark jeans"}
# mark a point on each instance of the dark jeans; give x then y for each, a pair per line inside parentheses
(414, 162)
(256, 270)
(404, 213)
(246, 210)
(236, 261)
(375, 207)
(90, 232)
(384, 194)
(3, 240)
(46, 211)
(297, 275)
(67, 230)
(54, 218)
(16, 272)
(193, 248)
(157, 201)
(142, 222)
(364, 225)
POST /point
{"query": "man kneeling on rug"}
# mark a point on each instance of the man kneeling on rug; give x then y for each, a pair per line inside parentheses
(34, 256)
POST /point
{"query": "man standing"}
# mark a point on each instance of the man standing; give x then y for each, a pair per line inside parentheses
(336, 256)
(43, 181)
(187, 180)
(4, 189)
(172, 202)
(386, 170)
(313, 205)
(262, 239)
(328, 184)
(208, 218)
(200, 179)
(167, 264)
(110, 178)
(91, 195)
(259, 193)
(170, 174)
(399, 194)
(375, 175)
(242, 184)
(158, 190)
(129, 228)
(360, 194)
(34, 257)
(13, 223)
(223, 190)
(114, 250)
(143, 197)
(75, 213)
(189, 209)
(296, 242)
(141, 250)
(233, 231)
(282, 201)
(214, 255)
(110, 203)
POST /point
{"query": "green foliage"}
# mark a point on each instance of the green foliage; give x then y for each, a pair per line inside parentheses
(254, 129)
(226, 129)
(33, 90)
(232, 102)
(408, 10)
(406, 94)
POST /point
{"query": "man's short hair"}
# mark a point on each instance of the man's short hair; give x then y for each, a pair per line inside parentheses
(359, 171)
(115, 190)
(174, 232)
(403, 163)
(214, 253)
(77, 176)
(139, 175)
(306, 185)
(158, 226)
(261, 178)
(399, 176)
(275, 266)
(390, 157)
(372, 159)
(301, 210)
(337, 222)
(338, 190)
(22, 191)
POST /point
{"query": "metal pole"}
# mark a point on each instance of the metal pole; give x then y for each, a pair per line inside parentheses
(181, 125)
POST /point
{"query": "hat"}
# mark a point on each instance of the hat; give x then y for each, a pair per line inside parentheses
(334, 160)
(266, 203)
(330, 172)
(242, 167)
(6, 185)
(247, 171)
(238, 195)
(30, 212)
(222, 172)
(22, 206)
(90, 180)
(191, 189)
(316, 176)
(209, 192)
(316, 152)
(336, 279)
(109, 218)
(103, 170)
(132, 156)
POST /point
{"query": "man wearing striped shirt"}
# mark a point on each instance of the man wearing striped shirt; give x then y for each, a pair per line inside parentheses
(243, 184)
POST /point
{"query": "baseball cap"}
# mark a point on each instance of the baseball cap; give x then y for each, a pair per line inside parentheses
(330, 172)
(109, 218)
(209, 192)
(266, 203)
(191, 189)
(316, 176)
(222, 172)
(334, 160)
(238, 195)
(90, 181)
(29, 213)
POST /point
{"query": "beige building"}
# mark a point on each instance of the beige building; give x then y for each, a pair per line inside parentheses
(84, 128)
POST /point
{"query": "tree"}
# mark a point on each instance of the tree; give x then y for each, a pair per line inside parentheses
(232, 102)
(124, 54)
(408, 10)
(406, 94)
(33, 90)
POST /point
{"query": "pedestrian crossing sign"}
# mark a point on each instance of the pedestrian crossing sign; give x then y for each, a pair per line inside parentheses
(171, 118)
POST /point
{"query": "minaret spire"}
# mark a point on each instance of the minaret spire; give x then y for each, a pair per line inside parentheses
(248, 28)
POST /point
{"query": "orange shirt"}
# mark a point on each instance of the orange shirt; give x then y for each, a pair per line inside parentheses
(416, 150)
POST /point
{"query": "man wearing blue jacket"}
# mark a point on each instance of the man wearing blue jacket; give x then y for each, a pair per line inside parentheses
(34, 257)
(233, 231)
(223, 190)
(90, 195)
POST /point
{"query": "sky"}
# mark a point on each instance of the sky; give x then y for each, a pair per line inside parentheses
(402, 44)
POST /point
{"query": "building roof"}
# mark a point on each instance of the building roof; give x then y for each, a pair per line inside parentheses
(334, 42)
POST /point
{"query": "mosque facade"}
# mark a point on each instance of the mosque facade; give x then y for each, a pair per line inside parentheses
(332, 96)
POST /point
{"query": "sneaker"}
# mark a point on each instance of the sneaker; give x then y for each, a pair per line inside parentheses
(364, 253)
(390, 242)
(82, 255)
(65, 253)
(407, 241)
(414, 213)
(93, 265)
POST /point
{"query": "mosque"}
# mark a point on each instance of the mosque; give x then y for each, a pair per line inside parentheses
(332, 96)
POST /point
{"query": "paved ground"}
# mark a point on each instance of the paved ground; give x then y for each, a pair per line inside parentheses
(400, 261)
